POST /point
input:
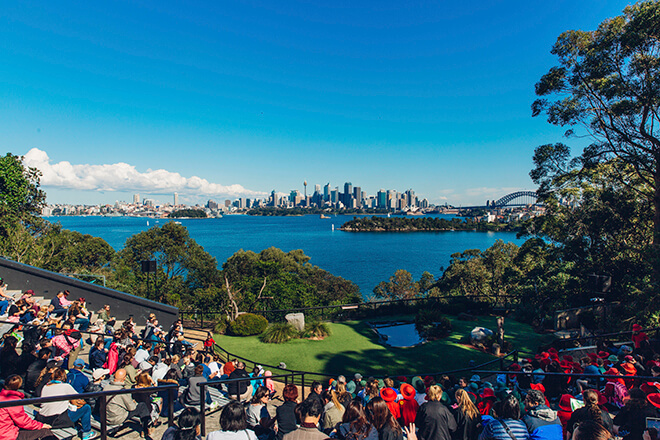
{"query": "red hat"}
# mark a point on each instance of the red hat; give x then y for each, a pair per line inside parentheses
(515, 367)
(603, 354)
(592, 356)
(628, 358)
(637, 328)
(649, 387)
(612, 372)
(487, 393)
(408, 391)
(654, 398)
(428, 380)
(553, 350)
(29, 292)
(537, 386)
(565, 403)
(388, 394)
(545, 362)
(630, 368)
(402, 379)
(568, 358)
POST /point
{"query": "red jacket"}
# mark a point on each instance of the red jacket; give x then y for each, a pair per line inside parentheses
(14, 418)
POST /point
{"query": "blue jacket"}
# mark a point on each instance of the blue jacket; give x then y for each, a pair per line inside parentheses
(77, 380)
(543, 423)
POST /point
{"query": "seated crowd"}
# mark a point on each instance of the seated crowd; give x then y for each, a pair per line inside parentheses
(586, 400)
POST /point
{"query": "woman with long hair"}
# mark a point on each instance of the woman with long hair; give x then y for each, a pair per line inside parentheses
(590, 411)
(333, 411)
(468, 419)
(187, 427)
(381, 417)
(144, 380)
(286, 413)
(355, 425)
(258, 418)
(369, 392)
(233, 424)
(632, 417)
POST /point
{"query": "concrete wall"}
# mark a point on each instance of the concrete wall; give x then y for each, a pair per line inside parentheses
(122, 305)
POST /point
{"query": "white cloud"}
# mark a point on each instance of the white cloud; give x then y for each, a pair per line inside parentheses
(124, 177)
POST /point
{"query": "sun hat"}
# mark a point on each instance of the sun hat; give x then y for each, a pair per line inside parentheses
(99, 373)
(565, 403)
(567, 358)
(358, 377)
(626, 348)
(419, 384)
(487, 393)
(381, 383)
(629, 368)
(612, 372)
(475, 378)
(552, 350)
(407, 391)
(654, 399)
(350, 387)
(628, 358)
(603, 354)
(637, 328)
(388, 394)
(473, 388)
(613, 358)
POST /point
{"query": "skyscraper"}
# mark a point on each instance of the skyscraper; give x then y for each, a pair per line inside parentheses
(326, 192)
(348, 194)
(357, 196)
(136, 199)
(381, 202)
(176, 199)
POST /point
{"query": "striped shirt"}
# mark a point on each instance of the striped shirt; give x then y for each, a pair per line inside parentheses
(495, 431)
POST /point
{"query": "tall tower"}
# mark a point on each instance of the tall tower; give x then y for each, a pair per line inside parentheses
(176, 199)
(136, 199)
(305, 183)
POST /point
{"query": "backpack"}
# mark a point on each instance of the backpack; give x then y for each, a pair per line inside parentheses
(621, 394)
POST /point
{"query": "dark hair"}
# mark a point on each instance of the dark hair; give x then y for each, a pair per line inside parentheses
(311, 408)
(355, 415)
(535, 397)
(10, 343)
(59, 374)
(509, 408)
(232, 417)
(189, 419)
(260, 393)
(637, 399)
(590, 398)
(380, 415)
(13, 382)
(199, 369)
(315, 385)
(591, 430)
(290, 392)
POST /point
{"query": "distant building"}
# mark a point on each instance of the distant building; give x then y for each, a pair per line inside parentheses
(227, 203)
(357, 196)
(136, 199)
(326, 192)
(381, 199)
(176, 199)
(212, 205)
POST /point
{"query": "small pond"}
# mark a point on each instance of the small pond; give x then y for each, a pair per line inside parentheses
(398, 333)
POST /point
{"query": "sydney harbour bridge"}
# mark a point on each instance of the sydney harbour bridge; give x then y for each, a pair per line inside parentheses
(518, 198)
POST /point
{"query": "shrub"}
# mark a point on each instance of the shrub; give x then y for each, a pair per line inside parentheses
(247, 324)
(221, 325)
(431, 325)
(316, 330)
(279, 333)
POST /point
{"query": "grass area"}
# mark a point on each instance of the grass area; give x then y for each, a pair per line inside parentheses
(354, 347)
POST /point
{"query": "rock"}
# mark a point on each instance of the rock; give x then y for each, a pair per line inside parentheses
(478, 335)
(297, 320)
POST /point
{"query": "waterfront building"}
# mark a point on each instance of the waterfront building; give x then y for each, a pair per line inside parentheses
(176, 199)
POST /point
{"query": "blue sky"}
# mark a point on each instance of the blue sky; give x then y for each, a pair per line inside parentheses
(221, 99)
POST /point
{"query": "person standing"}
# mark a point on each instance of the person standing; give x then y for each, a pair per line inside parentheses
(381, 417)
(468, 418)
(434, 420)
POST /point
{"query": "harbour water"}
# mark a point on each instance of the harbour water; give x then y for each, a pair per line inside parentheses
(366, 258)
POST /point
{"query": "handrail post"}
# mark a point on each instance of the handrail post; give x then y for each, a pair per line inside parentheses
(103, 415)
(515, 356)
(302, 384)
(170, 406)
(202, 408)
(501, 364)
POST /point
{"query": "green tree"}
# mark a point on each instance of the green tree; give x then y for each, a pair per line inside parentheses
(401, 285)
(182, 265)
(608, 82)
(20, 196)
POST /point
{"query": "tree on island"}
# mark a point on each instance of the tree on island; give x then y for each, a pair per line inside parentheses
(188, 213)
(608, 82)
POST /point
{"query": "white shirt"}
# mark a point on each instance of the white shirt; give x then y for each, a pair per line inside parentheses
(246, 434)
(141, 355)
(56, 408)
(215, 367)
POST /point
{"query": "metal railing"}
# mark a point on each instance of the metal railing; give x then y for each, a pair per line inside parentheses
(355, 310)
(172, 390)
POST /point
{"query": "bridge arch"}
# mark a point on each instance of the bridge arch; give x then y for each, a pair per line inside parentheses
(523, 198)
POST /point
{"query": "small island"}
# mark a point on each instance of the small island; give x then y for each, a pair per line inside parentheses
(425, 224)
(188, 213)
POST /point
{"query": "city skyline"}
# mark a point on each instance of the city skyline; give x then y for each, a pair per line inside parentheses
(235, 100)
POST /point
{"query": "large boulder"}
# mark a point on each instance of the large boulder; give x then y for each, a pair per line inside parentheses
(297, 320)
(479, 335)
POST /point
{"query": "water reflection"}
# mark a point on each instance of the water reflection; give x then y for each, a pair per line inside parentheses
(398, 334)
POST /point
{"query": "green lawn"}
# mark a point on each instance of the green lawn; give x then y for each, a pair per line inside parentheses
(353, 347)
